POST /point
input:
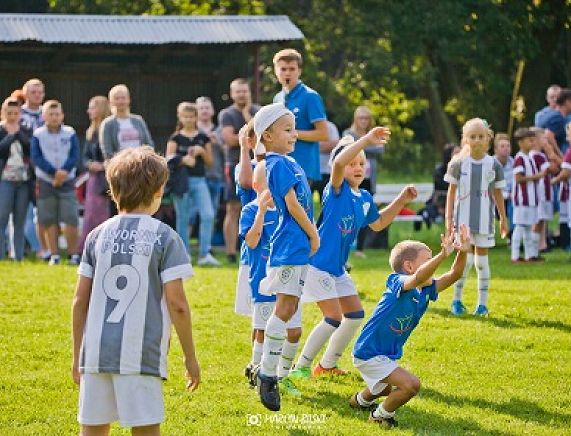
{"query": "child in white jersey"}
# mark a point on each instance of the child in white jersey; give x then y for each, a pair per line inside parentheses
(291, 245)
(475, 178)
(129, 292)
(524, 197)
(544, 193)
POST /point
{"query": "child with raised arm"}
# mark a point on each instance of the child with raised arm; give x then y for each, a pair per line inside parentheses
(291, 245)
(475, 182)
(409, 290)
(258, 222)
(128, 293)
(346, 209)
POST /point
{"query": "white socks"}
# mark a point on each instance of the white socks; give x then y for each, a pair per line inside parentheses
(316, 339)
(517, 237)
(535, 237)
(528, 242)
(286, 358)
(380, 412)
(459, 285)
(341, 338)
(273, 342)
(483, 268)
(257, 350)
(361, 401)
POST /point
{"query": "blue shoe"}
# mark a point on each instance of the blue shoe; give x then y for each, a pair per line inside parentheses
(457, 308)
(481, 310)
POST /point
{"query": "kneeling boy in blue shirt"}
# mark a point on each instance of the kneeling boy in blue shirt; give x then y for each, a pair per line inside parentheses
(409, 289)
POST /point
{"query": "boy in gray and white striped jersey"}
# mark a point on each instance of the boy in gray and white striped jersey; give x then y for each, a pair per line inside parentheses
(128, 293)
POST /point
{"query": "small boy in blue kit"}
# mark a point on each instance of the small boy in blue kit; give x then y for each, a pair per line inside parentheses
(291, 245)
(346, 209)
(409, 290)
(258, 222)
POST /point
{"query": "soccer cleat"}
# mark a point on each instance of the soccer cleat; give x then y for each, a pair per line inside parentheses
(319, 370)
(288, 387)
(519, 260)
(383, 422)
(208, 260)
(54, 260)
(74, 259)
(248, 372)
(457, 308)
(267, 390)
(537, 259)
(354, 403)
(481, 310)
(303, 372)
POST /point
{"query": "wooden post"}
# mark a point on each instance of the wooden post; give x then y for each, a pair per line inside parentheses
(257, 81)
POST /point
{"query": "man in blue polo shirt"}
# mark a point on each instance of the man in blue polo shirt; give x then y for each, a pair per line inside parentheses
(307, 106)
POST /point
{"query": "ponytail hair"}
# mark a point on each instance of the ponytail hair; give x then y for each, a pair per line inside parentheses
(184, 106)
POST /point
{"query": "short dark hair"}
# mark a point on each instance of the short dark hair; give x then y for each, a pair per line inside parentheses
(564, 95)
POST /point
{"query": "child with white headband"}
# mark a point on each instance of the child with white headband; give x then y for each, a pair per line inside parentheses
(293, 242)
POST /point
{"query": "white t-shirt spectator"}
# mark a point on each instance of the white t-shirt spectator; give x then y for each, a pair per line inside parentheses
(127, 136)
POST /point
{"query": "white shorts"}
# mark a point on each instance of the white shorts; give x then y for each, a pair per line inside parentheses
(545, 211)
(375, 370)
(483, 241)
(525, 215)
(243, 302)
(564, 212)
(133, 400)
(287, 279)
(262, 312)
(320, 285)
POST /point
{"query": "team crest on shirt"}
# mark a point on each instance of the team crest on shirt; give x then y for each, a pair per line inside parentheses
(326, 283)
(490, 176)
(404, 325)
(366, 207)
(286, 274)
(346, 225)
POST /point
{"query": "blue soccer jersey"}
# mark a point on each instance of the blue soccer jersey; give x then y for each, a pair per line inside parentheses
(289, 244)
(393, 320)
(246, 195)
(342, 216)
(258, 256)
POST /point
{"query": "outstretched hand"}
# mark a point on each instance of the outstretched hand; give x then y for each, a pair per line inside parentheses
(378, 135)
(462, 240)
(446, 243)
(244, 140)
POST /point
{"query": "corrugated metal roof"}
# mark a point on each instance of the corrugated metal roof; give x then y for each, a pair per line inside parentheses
(126, 29)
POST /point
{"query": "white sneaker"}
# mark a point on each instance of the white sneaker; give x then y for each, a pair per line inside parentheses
(54, 260)
(208, 260)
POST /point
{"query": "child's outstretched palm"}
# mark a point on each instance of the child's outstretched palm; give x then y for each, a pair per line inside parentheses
(462, 240)
(378, 135)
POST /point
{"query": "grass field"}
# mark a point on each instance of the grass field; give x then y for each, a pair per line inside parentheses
(509, 374)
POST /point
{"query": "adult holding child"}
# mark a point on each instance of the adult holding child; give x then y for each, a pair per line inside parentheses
(96, 198)
(15, 175)
(122, 129)
(307, 106)
(231, 121)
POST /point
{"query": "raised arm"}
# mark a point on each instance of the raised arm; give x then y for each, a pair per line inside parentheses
(462, 244)
(389, 213)
(377, 135)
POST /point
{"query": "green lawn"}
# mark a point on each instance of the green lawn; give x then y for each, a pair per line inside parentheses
(507, 374)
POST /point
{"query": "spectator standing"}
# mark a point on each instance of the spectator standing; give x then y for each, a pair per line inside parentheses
(231, 121)
(15, 176)
(307, 106)
(55, 154)
(214, 172)
(96, 196)
(551, 97)
(122, 129)
(554, 122)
